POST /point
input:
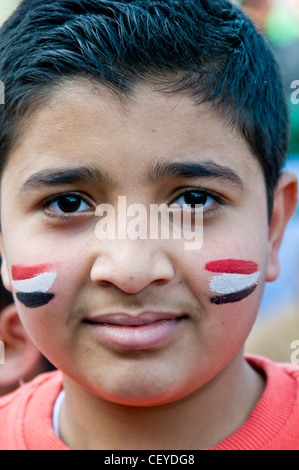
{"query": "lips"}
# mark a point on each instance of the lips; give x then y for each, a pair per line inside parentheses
(135, 332)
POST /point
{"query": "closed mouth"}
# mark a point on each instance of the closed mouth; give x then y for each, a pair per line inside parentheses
(144, 318)
(127, 332)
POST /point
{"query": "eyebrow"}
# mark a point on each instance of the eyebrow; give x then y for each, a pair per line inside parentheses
(206, 169)
(56, 177)
(162, 170)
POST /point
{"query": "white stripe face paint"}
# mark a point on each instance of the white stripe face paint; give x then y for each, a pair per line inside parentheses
(40, 283)
(228, 283)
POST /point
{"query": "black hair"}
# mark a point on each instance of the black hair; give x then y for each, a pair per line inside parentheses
(206, 48)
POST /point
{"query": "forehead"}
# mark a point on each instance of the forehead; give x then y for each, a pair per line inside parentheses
(83, 124)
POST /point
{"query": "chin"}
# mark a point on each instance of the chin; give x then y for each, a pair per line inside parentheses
(140, 394)
(140, 401)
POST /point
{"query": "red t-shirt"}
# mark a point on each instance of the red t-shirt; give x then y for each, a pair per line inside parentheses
(26, 414)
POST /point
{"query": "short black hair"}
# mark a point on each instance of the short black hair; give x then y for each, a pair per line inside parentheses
(208, 49)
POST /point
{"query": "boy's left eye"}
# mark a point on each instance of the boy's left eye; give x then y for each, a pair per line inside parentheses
(191, 198)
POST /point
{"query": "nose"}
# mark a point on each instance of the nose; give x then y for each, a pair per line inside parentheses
(131, 265)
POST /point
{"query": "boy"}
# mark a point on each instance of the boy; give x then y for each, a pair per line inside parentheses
(158, 102)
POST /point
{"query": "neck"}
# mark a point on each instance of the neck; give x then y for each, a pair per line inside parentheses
(198, 421)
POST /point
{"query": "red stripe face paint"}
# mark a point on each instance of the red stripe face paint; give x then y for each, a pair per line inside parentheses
(234, 280)
(19, 272)
(32, 283)
(232, 266)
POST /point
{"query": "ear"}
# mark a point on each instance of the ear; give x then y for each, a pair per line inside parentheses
(284, 206)
(21, 357)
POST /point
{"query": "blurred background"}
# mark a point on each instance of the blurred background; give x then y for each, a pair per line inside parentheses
(6, 8)
(278, 20)
(278, 322)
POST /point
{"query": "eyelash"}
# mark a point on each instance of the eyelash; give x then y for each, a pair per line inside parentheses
(65, 215)
(215, 208)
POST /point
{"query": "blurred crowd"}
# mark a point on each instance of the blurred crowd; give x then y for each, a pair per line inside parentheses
(279, 21)
(278, 325)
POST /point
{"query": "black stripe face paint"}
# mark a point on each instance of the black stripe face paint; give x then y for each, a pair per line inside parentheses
(230, 298)
(34, 299)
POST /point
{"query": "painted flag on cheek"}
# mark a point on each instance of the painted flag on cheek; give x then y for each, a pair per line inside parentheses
(234, 280)
(32, 284)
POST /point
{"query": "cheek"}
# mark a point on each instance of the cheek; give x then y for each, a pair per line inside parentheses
(225, 275)
(44, 292)
(228, 286)
(232, 279)
(33, 284)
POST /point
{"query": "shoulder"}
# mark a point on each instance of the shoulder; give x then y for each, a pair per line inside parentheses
(274, 336)
(273, 370)
(273, 423)
(26, 413)
(278, 410)
(280, 377)
(44, 382)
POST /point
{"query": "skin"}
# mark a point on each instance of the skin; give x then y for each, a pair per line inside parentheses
(195, 388)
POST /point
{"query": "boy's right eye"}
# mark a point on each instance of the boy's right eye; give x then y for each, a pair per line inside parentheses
(67, 205)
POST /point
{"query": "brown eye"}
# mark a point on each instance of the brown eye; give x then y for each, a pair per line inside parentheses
(68, 204)
(193, 198)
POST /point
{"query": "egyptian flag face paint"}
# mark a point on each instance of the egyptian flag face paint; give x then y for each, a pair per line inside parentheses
(32, 284)
(233, 280)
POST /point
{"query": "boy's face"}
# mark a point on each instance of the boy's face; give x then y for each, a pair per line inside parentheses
(81, 297)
